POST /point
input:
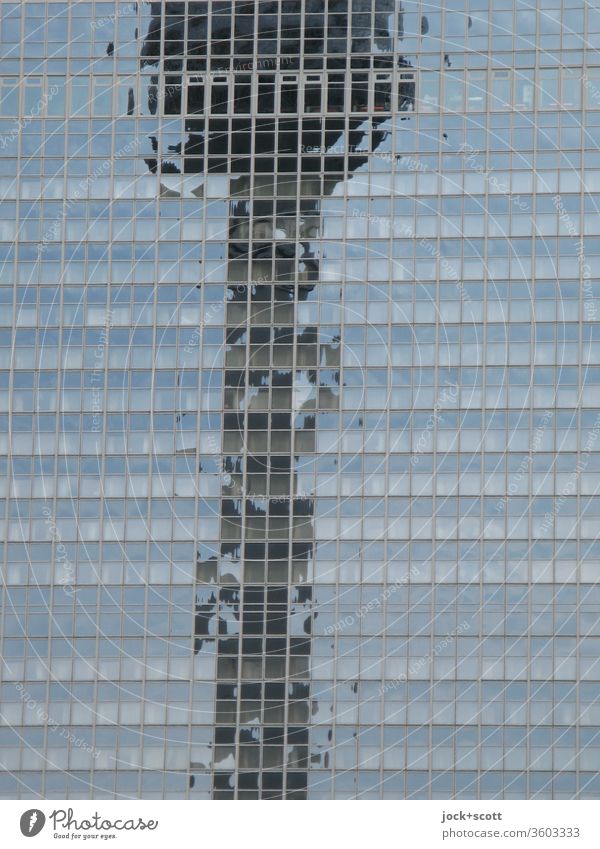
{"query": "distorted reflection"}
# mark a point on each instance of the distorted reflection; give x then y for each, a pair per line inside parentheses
(286, 127)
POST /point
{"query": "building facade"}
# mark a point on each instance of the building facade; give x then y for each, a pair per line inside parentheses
(298, 348)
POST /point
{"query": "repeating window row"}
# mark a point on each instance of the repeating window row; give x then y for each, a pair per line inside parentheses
(370, 92)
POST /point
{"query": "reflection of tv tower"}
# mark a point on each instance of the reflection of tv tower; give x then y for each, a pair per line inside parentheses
(279, 99)
(32, 821)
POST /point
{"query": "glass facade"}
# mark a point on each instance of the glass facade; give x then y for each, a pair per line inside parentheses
(298, 429)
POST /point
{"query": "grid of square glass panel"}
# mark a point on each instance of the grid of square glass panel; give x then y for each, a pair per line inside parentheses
(493, 713)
